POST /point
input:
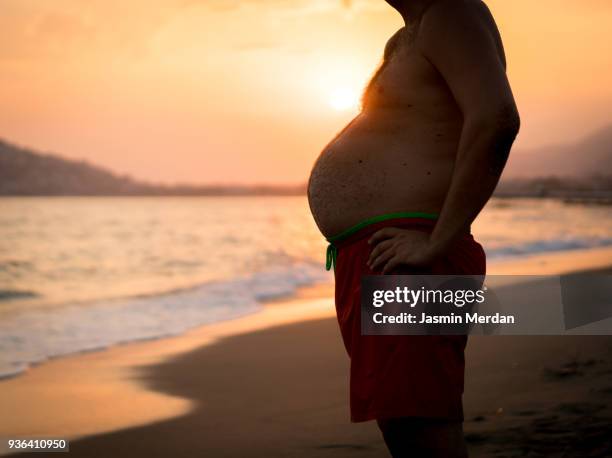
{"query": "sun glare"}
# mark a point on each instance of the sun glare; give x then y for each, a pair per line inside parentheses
(344, 98)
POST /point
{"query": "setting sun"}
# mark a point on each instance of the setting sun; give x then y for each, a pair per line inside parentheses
(344, 98)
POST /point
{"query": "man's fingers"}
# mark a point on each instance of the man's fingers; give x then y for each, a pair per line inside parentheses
(381, 259)
(383, 234)
(392, 264)
(379, 248)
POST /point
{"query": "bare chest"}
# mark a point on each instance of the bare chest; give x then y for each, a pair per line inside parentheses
(406, 80)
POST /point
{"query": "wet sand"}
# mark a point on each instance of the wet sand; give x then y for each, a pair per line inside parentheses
(275, 384)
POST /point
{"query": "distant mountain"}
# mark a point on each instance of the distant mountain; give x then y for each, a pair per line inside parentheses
(24, 172)
(580, 172)
(589, 157)
(583, 169)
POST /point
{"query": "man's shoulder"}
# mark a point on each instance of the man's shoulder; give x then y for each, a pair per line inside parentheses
(447, 15)
(393, 42)
(458, 21)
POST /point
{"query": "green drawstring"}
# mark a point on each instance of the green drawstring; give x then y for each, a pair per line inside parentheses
(332, 250)
(331, 255)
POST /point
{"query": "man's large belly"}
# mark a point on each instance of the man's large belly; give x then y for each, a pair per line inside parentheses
(373, 168)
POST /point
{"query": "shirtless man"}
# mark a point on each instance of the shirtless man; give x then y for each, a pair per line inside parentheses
(416, 166)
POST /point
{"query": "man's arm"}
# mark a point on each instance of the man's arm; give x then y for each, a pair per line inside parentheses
(460, 40)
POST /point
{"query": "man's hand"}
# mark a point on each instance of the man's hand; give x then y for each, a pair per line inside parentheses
(394, 247)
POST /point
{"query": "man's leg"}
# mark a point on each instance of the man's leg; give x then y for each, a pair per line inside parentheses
(409, 437)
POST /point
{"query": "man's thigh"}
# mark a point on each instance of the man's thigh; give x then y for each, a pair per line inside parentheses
(423, 437)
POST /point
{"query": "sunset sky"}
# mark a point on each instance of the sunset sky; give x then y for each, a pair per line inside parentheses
(246, 91)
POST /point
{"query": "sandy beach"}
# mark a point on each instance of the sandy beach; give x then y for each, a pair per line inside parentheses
(276, 384)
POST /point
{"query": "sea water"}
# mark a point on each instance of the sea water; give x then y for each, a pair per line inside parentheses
(85, 273)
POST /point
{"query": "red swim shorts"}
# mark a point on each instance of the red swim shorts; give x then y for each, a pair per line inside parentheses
(400, 375)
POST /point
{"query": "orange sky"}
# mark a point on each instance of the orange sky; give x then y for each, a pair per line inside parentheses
(227, 91)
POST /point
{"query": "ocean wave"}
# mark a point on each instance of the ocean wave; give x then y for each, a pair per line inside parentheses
(34, 336)
(546, 246)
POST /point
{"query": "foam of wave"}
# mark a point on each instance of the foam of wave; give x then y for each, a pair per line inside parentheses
(34, 336)
(546, 246)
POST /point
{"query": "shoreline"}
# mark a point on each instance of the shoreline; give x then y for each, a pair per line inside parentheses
(88, 394)
(547, 263)
(67, 381)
